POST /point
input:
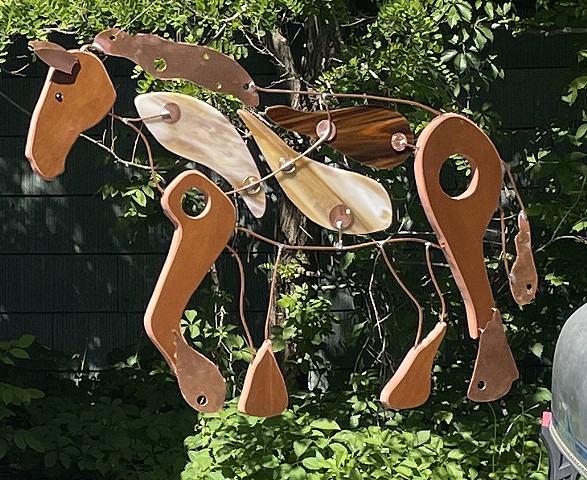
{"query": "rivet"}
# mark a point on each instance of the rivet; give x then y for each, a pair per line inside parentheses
(287, 165)
(255, 186)
(323, 127)
(341, 217)
(399, 141)
(170, 112)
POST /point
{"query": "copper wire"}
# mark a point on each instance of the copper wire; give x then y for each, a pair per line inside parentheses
(147, 147)
(356, 96)
(287, 165)
(513, 184)
(271, 305)
(408, 293)
(436, 286)
(504, 253)
(324, 248)
(241, 299)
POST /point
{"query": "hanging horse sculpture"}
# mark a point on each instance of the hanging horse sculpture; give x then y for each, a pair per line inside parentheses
(337, 199)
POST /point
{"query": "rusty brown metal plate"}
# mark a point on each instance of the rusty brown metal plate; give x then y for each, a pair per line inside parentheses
(460, 222)
(523, 276)
(166, 59)
(196, 244)
(54, 55)
(68, 105)
(363, 133)
(410, 385)
(264, 392)
(495, 368)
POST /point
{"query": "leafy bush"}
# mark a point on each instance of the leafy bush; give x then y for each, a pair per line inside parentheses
(341, 436)
(128, 424)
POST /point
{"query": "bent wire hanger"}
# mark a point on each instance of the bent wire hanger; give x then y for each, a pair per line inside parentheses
(166, 59)
(69, 104)
(196, 244)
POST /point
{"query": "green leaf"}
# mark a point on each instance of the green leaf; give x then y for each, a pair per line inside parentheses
(25, 341)
(34, 443)
(423, 436)
(537, 349)
(19, 353)
(300, 447)
(314, 463)
(19, 440)
(6, 393)
(3, 448)
(465, 10)
(581, 131)
(447, 56)
(580, 226)
(140, 198)
(325, 424)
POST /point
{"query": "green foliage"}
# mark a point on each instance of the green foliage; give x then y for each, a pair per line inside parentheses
(130, 423)
(314, 439)
(127, 424)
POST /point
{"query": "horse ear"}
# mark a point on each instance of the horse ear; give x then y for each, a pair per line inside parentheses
(54, 55)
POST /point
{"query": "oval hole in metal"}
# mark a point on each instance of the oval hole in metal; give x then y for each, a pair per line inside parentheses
(202, 400)
(159, 64)
(481, 385)
(455, 175)
(193, 202)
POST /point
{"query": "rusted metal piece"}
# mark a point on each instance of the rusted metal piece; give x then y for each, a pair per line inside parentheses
(200, 382)
(196, 244)
(69, 104)
(166, 59)
(362, 133)
(54, 55)
(523, 276)
(460, 222)
(495, 368)
(410, 385)
(264, 392)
